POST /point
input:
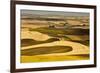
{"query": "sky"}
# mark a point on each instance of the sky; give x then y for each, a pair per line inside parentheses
(41, 12)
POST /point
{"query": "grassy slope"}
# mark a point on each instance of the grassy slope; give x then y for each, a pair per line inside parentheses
(46, 50)
(28, 42)
(64, 31)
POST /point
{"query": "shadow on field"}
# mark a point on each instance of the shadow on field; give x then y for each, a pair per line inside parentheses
(46, 50)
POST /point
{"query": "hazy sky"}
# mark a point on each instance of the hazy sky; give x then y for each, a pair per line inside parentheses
(41, 12)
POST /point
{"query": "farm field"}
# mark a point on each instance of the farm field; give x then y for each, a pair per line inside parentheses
(54, 48)
(47, 38)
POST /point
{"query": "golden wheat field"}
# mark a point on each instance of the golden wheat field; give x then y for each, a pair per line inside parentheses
(50, 37)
